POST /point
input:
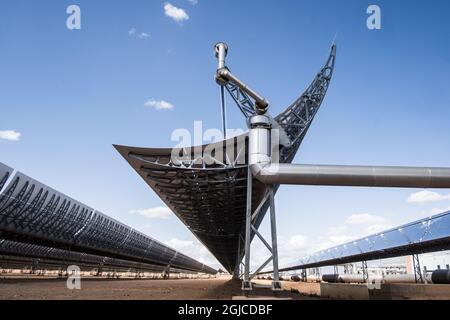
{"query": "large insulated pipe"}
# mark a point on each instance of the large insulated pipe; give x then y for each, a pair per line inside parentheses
(436, 278)
(441, 276)
(356, 176)
(266, 171)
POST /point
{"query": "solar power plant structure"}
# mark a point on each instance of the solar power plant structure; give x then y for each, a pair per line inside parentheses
(206, 186)
(24, 255)
(33, 213)
(427, 235)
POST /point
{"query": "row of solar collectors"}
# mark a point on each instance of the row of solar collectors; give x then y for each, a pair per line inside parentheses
(426, 235)
(32, 212)
(14, 253)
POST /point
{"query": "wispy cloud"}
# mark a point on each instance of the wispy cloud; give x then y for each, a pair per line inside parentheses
(356, 226)
(427, 196)
(193, 2)
(162, 213)
(10, 135)
(177, 14)
(193, 248)
(435, 211)
(365, 218)
(133, 32)
(159, 104)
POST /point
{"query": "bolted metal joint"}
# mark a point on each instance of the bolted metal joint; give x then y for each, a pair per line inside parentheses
(221, 76)
(260, 121)
(262, 107)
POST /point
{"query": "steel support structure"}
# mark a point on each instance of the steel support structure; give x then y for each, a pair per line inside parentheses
(418, 275)
(250, 231)
(304, 275)
(250, 103)
(220, 200)
(365, 271)
(336, 270)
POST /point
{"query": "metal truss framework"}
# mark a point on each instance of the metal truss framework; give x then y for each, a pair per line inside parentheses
(417, 269)
(31, 212)
(207, 192)
(427, 235)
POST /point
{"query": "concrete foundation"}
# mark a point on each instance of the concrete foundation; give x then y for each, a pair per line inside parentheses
(342, 291)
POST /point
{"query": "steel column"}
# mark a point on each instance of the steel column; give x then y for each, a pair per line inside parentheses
(417, 269)
(246, 285)
(224, 112)
(365, 271)
(276, 285)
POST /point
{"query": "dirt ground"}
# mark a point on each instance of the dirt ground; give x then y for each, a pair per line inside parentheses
(104, 289)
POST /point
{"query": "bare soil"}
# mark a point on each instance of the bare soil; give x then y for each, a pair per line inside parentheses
(107, 289)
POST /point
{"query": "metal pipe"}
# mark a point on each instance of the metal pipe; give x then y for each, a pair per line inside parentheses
(356, 176)
(224, 75)
(266, 170)
(248, 230)
(359, 278)
(273, 228)
(224, 112)
(221, 51)
(440, 277)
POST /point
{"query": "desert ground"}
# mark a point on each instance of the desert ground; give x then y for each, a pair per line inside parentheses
(107, 289)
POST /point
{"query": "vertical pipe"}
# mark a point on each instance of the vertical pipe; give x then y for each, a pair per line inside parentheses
(273, 224)
(221, 53)
(248, 225)
(237, 273)
(224, 111)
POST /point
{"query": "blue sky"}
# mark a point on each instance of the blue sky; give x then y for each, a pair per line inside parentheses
(71, 94)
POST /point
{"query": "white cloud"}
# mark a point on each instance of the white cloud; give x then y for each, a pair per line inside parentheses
(333, 241)
(365, 218)
(133, 32)
(193, 2)
(10, 135)
(289, 249)
(297, 242)
(154, 213)
(356, 226)
(376, 228)
(177, 14)
(178, 244)
(435, 211)
(427, 196)
(159, 105)
(194, 249)
(333, 231)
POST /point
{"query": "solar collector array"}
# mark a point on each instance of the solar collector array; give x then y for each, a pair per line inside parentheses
(34, 213)
(426, 235)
